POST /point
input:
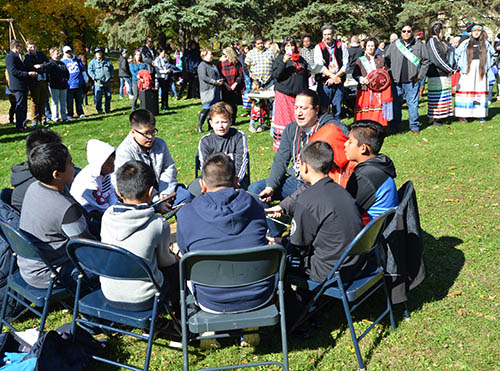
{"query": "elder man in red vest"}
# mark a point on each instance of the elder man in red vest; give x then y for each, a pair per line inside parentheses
(333, 55)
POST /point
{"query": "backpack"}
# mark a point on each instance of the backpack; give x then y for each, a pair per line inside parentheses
(144, 80)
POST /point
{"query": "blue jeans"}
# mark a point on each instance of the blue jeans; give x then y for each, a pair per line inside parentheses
(289, 187)
(99, 91)
(410, 92)
(331, 95)
(122, 85)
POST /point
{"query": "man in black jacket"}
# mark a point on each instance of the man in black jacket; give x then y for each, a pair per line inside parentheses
(39, 87)
(148, 56)
(124, 74)
(18, 82)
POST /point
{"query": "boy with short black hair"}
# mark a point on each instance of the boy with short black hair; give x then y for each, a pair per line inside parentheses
(372, 181)
(325, 218)
(141, 144)
(134, 226)
(224, 139)
(50, 213)
(21, 177)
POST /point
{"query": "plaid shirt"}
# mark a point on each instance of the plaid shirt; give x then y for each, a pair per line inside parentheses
(308, 55)
(260, 64)
(230, 72)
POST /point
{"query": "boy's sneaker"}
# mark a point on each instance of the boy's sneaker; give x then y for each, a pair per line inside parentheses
(250, 340)
(209, 343)
(45, 124)
(82, 116)
(259, 129)
(252, 129)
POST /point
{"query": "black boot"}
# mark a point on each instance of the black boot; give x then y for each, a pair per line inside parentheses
(201, 119)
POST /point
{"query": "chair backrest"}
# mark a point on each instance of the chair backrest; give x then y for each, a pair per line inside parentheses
(233, 268)
(19, 242)
(108, 261)
(365, 240)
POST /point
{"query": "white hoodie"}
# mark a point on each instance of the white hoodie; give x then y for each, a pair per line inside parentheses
(92, 190)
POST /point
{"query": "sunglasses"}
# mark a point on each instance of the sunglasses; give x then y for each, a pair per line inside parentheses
(406, 31)
(148, 134)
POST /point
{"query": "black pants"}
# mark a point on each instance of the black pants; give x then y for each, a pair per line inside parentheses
(165, 89)
(21, 107)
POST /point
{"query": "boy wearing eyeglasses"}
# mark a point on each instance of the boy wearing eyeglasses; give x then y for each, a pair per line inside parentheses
(141, 144)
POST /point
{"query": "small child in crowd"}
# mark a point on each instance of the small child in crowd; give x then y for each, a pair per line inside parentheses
(92, 186)
(134, 226)
(50, 214)
(372, 181)
(226, 140)
(258, 110)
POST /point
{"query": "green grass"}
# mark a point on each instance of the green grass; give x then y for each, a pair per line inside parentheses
(455, 311)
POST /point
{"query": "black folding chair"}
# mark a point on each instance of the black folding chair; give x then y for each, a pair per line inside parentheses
(117, 263)
(232, 269)
(19, 290)
(351, 293)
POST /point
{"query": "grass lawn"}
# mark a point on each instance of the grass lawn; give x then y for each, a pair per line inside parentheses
(455, 312)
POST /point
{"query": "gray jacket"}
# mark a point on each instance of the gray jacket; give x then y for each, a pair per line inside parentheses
(394, 60)
(208, 79)
(158, 158)
(138, 229)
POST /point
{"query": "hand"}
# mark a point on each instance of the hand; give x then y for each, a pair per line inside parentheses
(274, 212)
(219, 82)
(330, 82)
(37, 66)
(336, 80)
(168, 71)
(233, 87)
(266, 194)
(274, 240)
(286, 57)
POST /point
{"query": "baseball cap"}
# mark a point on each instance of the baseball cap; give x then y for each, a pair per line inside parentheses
(96, 50)
(66, 49)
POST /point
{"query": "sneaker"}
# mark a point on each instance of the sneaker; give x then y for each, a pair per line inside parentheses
(252, 129)
(82, 116)
(250, 340)
(482, 121)
(45, 124)
(259, 129)
(33, 124)
(121, 97)
(209, 343)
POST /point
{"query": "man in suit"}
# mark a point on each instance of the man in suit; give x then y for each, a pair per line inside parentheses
(18, 82)
(148, 56)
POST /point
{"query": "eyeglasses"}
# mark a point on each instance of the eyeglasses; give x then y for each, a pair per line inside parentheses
(406, 31)
(148, 134)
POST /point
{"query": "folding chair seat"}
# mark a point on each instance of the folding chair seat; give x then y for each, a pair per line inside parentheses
(117, 263)
(19, 290)
(232, 269)
(351, 293)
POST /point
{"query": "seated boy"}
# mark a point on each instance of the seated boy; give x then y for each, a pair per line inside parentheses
(226, 140)
(372, 181)
(224, 218)
(325, 218)
(21, 177)
(92, 186)
(141, 144)
(50, 213)
(134, 226)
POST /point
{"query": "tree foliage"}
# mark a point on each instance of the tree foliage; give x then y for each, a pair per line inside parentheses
(55, 22)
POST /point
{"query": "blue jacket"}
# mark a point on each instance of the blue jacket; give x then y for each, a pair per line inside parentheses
(461, 55)
(135, 68)
(18, 73)
(101, 71)
(76, 69)
(225, 220)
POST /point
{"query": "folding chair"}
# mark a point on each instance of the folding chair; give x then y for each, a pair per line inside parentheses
(351, 293)
(117, 263)
(232, 269)
(20, 291)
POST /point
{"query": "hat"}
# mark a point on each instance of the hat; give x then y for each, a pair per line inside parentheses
(97, 50)
(66, 49)
(469, 25)
(124, 51)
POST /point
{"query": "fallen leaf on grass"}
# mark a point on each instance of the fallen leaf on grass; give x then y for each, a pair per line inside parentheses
(460, 312)
(454, 293)
(452, 167)
(451, 200)
(425, 140)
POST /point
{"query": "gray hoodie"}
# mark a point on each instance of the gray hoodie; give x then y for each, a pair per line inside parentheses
(139, 230)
